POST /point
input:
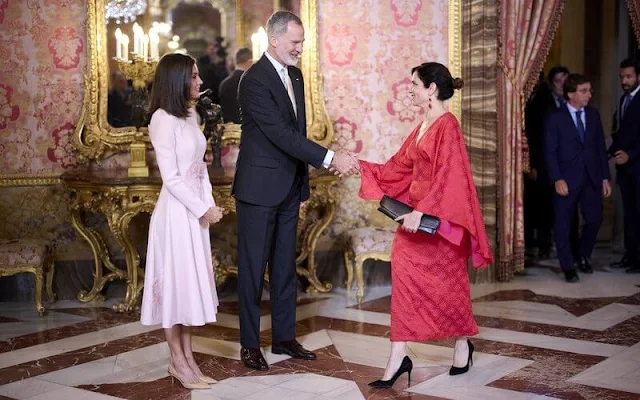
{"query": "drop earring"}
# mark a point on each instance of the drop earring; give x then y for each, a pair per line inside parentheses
(429, 105)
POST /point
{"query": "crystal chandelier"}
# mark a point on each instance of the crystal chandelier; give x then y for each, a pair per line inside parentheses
(125, 10)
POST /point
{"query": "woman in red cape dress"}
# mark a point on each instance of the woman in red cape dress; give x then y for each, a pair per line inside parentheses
(430, 295)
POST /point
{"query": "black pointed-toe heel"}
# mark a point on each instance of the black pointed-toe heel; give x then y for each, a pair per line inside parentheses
(462, 370)
(406, 366)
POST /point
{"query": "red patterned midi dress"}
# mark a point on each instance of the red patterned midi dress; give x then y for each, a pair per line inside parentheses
(430, 295)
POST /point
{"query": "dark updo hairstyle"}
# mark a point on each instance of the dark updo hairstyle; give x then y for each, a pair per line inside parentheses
(171, 88)
(433, 72)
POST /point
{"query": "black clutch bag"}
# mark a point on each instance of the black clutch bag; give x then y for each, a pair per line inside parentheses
(393, 208)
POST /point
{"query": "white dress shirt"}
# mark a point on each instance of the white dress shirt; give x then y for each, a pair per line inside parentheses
(283, 73)
(583, 118)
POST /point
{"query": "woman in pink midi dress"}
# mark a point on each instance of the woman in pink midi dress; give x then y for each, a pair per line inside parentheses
(179, 284)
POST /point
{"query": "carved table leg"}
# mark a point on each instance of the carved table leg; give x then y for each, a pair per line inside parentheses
(100, 257)
(321, 198)
(119, 225)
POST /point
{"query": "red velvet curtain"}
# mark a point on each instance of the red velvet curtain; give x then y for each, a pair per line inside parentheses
(526, 30)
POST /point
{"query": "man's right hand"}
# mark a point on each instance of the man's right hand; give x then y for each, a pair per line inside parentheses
(562, 188)
(344, 163)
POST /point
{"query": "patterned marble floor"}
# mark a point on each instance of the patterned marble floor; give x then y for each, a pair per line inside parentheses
(540, 338)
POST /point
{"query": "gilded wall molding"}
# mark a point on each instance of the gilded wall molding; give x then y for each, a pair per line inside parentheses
(455, 51)
(18, 180)
(94, 138)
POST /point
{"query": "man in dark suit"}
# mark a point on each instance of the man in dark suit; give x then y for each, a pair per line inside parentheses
(576, 159)
(119, 113)
(626, 151)
(549, 96)
(213, 68)
(272, 178)
(229, 86)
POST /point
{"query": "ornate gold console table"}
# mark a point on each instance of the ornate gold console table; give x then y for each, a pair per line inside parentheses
(120, 198)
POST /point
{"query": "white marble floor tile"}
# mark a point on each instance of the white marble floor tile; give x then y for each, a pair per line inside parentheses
(72, 343)
(230, 389)
(69, 393)
(140, 365)
(279, 393)
(227, 321)
(216, 347)
(550, 342)
(316, 384)
(486, 369)
(361, 349)
(620, 372)
(27, 388)
(481, 393)
(31, 322)
(82, 374)
(348, 391)
(524, 311)
(605, 317)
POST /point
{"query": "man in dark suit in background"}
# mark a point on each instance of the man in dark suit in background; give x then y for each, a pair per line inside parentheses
(229, 86)
(272, 178)
(626, 151)
(119, 113)
(576, 159)
(213, 68)
(539, 190)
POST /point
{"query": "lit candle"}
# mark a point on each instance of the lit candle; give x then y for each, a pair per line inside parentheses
(136, 39)
(118, 44)
(145, 48)
(154, 40)
(125, 47)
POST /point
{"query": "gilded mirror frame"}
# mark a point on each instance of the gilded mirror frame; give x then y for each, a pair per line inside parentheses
(94, 138)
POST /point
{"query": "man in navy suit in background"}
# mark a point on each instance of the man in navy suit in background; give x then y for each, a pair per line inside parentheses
(626, 152)
(576, 158)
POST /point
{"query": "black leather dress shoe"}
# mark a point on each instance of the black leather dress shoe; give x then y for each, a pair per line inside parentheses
(571, 276)
(625, 262)
(252, 358)
(634, 269)
(584, 265)
(293, 349)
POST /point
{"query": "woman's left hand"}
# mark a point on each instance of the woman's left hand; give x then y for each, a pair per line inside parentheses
(410, 221)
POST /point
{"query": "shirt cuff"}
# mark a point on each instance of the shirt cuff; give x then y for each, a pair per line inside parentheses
(328, 158)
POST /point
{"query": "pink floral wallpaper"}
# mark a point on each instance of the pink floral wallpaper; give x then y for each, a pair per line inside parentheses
(368, 48)
(42, 57)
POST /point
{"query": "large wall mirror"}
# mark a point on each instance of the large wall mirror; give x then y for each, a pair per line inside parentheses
(107, 123)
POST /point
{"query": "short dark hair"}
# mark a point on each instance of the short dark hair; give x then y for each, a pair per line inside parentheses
(172, 85)
(572, 83)
(243, 55)
(630, 63)
(558, 69)
(433, 72)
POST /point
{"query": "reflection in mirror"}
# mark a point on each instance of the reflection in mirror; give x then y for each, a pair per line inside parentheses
(204, 29)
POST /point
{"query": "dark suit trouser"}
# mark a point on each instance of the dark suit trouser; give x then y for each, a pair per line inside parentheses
(268, 235)
(630, 190)
(589, 198)
(539, 215)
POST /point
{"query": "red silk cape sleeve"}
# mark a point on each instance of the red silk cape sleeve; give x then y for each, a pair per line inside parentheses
(438, 182)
